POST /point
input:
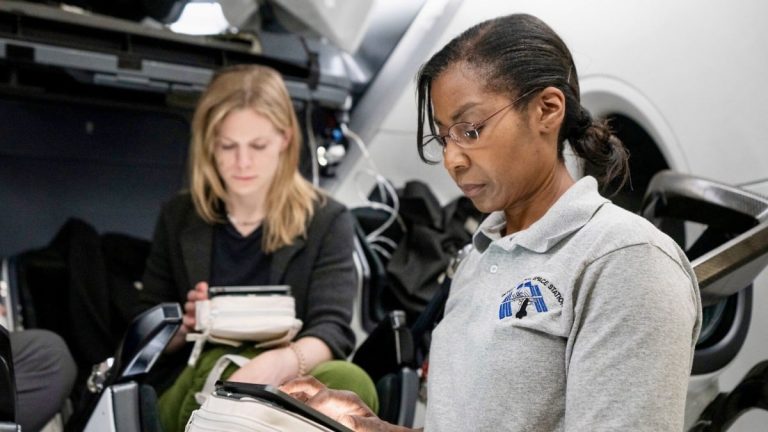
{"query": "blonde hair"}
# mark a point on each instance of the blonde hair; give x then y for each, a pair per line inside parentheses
(290, 198)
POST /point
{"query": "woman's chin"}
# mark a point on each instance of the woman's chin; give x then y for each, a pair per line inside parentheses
(242, 192)
(483, 205)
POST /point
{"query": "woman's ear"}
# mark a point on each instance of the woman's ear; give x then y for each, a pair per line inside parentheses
(549, 110)
(287, 135)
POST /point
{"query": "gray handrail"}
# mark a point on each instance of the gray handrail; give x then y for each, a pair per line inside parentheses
(732, 266)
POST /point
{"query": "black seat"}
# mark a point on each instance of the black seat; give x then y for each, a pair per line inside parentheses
(118, 401)
(82, 286)
(395, 349)
(117, 398)
(7, 385)
(750, 393)
(404, 240)
(727, 256)
(387, 354)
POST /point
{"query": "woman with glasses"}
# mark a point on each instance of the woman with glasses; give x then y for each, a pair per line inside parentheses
(250, 218)
(569, 313)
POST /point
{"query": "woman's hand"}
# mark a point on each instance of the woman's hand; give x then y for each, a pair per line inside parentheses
(342, 406)
(194, 295)
(188, 320)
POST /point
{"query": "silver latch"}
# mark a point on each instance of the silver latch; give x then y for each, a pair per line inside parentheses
(99, 375)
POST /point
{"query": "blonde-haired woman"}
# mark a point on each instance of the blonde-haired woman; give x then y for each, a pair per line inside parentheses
(250, 218)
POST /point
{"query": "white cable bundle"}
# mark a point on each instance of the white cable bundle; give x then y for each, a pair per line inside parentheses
(376, 238)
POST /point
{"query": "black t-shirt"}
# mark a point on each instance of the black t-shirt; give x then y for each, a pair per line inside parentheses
(238, 260)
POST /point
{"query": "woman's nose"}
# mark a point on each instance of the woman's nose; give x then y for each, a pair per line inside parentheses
(454, 157)
(244, 158)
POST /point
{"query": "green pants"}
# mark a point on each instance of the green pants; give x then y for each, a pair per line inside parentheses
(175, 406)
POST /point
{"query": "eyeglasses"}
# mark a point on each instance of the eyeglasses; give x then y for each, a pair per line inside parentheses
(464, 134)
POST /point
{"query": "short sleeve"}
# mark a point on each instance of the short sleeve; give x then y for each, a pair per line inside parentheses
(630, 348)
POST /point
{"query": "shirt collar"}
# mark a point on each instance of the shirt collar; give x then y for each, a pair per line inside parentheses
(571, 212)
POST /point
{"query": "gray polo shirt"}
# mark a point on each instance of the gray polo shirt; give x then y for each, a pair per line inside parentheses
(586, 320)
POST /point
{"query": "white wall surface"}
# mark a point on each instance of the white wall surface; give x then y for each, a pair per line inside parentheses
(698, 65)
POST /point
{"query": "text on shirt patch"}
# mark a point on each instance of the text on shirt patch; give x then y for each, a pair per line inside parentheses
(550, 287)
(527, 297)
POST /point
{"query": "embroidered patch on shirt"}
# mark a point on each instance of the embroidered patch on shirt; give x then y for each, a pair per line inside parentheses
(532, 296)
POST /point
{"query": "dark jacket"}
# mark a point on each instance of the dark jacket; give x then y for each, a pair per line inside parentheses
(319, 268)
